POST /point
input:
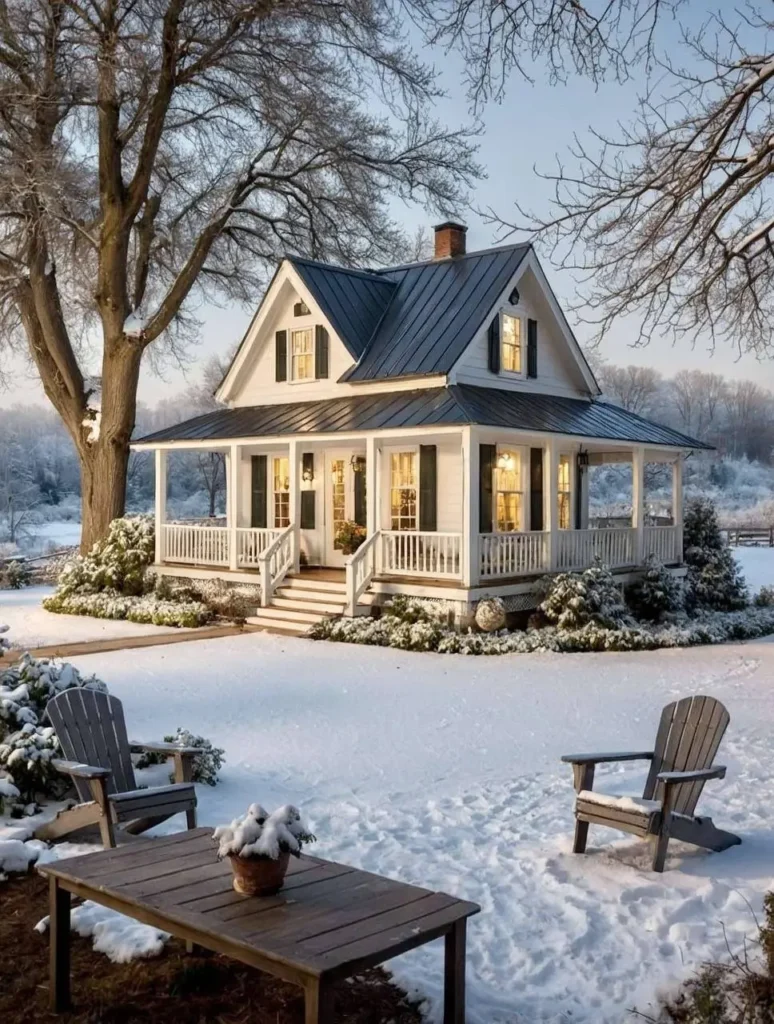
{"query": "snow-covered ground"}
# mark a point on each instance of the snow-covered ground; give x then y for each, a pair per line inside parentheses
(32, 626)
(757, 565)
(444, 771)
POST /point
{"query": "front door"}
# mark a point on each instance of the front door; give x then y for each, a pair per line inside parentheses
(344, 483)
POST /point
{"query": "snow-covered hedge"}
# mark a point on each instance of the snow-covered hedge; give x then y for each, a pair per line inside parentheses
(4, 645)
(27, 742)
(205, 766)
(117, 563)
(575, 599)
(705, 628)
(112, 605)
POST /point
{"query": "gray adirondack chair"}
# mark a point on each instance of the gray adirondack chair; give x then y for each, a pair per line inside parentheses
(92, 734)
(687, 741)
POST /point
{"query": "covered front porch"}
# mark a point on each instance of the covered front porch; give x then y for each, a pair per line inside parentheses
(468, 506)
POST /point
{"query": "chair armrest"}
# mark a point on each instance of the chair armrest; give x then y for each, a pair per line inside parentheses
(633, 755)
(161, 748)
(699, 775)
(78, 770)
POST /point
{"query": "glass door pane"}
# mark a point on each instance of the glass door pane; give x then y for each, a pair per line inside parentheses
(338, 497)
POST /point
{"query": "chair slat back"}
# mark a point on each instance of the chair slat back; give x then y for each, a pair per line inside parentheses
(91, 728)
(688, 738)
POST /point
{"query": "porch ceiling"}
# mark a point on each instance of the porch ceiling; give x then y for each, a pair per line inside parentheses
(446, 406)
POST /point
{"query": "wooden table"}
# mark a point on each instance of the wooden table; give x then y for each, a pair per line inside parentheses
(329, 921)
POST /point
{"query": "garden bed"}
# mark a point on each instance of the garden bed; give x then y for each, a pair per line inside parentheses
(173, 988)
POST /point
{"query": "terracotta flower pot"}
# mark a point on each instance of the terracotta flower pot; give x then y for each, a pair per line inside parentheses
(259, 876)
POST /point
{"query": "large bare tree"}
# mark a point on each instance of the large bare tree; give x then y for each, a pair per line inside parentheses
(157, 154)
(670, 219)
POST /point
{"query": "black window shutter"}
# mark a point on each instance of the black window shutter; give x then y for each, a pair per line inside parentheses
(259, 496)
(307, 497)
(494, 345)
(320, 352)
(536, 488)
(428, 488)
(487, 456)
(580, 473)
(532, 348)
(281, 355)
(360, 494)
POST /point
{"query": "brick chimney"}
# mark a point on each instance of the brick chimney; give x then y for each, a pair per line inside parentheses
(449, 240)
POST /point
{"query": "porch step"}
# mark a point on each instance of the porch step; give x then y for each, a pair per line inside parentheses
(318, 604)
(308, 582)
(290, 615)
(285, 627)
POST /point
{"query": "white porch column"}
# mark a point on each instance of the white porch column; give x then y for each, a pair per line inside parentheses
(677, 505)
(232, 504)
(161, 502)
(551, 500)
(471, 565)
(638, 503)
(295, 501)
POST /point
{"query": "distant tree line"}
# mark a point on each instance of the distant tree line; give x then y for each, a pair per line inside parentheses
(736, 416)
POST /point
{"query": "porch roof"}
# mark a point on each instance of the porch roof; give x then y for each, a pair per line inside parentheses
(429, 407)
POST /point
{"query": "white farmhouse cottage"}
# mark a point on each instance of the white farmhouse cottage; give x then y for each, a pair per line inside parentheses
(444, 406)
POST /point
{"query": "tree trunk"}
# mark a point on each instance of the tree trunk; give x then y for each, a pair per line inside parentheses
(103, 490)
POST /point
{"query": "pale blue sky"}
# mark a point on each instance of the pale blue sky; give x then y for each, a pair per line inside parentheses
(533, 123)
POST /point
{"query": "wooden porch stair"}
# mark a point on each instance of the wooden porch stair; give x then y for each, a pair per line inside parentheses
(302, 600)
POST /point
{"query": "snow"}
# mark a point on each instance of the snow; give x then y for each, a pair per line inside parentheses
(31, 626)
(444, 771)
(757, 565)
(622, 803)
(120, 938)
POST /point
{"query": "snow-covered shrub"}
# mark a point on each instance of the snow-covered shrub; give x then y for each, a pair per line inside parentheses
(4, 645)
(148, 610)
(714, 578)
(228, 600)
(15, 576)
(26, 757)
(205, 766)
(657, 593)
(490, 614)
(9, 794)
(764, 598)
(27, 743)
(117, 563)
(575, 599)
(260, 834)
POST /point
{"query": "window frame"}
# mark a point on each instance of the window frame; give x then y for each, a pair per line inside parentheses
(312, 353)
(569, 491)
(273, 493)
(514, 313)
(413, 450)
(520, 452)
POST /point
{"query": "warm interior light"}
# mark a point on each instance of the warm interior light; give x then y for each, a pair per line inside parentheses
(506, 462)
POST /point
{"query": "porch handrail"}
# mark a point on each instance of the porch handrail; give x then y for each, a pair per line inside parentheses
(195, 544)
(518, 553)
(664, 542)
(275, 562)
(360, 570)
(421, 553)
(252, 541)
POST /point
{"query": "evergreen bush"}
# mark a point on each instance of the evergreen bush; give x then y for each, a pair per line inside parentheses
(117, 563)
(15, 576)
(206, 765)
(146, 610)
(714, 578)
(573, 600)
(656, 594)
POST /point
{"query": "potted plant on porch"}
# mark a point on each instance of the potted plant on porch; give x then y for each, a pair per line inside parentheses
(349, 536)
(259, 845)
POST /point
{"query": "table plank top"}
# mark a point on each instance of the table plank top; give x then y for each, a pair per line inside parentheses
(327, 918)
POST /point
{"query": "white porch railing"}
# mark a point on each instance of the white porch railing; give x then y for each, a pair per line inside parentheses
(192, 544)
(665, 542)
(512, 554)
(251, 544)
(408, 553)
(275, 561)
(360, 570)
(578, 549)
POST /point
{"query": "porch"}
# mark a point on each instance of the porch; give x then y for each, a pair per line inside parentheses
(464, 509)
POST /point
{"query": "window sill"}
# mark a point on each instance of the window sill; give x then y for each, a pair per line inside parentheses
(306, 380)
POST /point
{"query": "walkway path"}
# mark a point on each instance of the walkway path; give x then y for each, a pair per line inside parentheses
(119, 643)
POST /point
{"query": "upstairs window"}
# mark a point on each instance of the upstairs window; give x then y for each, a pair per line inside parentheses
(509, 491)
(510, 344)
(302, 354)
(403, 491)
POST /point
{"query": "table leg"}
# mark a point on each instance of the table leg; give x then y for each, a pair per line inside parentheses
(318, 1002)
(59, 948)
(454, 975)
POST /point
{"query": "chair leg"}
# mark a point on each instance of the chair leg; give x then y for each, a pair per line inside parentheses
(190, 817)
(581, 835)
(660, 844)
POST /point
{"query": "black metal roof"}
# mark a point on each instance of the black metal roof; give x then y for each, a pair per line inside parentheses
(458, 404)
(353, 301)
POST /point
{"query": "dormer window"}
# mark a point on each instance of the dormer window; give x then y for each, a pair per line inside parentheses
(510, 344)
(302, 354)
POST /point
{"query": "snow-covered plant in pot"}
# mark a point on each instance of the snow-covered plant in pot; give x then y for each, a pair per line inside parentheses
(349, 536)
(259, 846)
